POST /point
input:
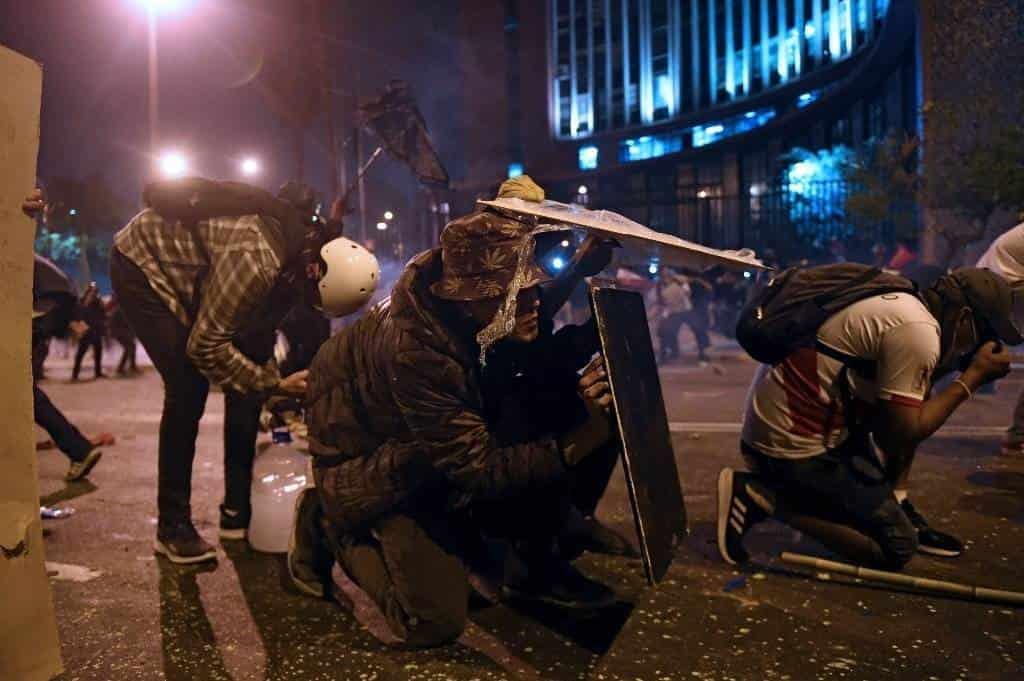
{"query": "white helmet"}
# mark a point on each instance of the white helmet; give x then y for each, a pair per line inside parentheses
(351, 277)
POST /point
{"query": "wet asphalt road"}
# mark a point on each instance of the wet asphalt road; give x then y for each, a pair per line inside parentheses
(143, 618)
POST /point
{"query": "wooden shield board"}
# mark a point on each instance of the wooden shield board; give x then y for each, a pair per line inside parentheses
(655, 492)
(29, 650)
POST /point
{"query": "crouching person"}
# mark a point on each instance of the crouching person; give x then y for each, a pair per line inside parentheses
(814, 420)
(451, 414)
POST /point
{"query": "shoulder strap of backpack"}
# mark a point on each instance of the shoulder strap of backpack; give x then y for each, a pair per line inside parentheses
(867, 368)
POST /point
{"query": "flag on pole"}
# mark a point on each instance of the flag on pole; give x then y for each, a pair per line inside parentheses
(397, 121)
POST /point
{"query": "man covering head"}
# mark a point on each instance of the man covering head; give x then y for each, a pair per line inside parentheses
(814, 420)
(205, 275)
(451, 414)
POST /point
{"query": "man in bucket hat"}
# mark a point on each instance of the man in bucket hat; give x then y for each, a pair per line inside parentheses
(450, 419)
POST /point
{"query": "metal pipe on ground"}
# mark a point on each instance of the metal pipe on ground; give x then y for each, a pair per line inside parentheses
(936, 586)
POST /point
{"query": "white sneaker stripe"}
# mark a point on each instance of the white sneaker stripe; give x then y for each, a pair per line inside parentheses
(739, 502)
(738, 516)
(735, 525)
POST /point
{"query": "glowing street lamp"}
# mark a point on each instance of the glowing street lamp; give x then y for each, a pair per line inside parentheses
(161, 6)
(250, 167)
(153, 9)
(382, 226)
(173, 164)
(388, 215)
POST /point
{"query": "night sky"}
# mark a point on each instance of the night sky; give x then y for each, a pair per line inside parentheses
(94, 55)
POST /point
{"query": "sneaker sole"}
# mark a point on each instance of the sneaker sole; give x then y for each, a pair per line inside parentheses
(300, 584)
(161, 549)
(88, 468)
(943, 553)
(232, 535)
(725, 484)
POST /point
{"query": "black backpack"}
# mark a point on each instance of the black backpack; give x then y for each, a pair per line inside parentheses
(785, 314)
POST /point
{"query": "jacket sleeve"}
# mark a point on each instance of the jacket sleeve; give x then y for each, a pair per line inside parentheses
(436, 404)
(236, 284)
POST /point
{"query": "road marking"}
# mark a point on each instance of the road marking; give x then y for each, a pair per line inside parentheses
(726, 427)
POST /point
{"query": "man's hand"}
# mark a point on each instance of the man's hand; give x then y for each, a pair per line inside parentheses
(593, 255)
(991, 362)
(293, 385)
(593, 433)
(593, 385)
(33, 204)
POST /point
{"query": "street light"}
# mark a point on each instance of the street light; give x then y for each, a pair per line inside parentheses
(250, 167)
(388, 215)
(153, 9)
(173, 164)
(382, 226)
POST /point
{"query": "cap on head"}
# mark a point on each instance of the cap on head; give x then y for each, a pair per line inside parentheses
(990, 298)
(351, 277)
(480, 254)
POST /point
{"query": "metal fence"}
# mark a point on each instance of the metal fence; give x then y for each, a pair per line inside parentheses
(795, 220)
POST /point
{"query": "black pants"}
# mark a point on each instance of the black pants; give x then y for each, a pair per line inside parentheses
(64, 434)
(127, 342)
(414, 564)
(89, 340)
(846, 486)
(185, 391)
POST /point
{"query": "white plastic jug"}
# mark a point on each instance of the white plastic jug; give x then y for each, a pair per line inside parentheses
(279, 473)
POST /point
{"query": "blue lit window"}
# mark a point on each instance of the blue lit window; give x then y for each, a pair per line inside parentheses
(808, 98)
(515, 170)
(650, 146)
(588, 157)
(735, 125)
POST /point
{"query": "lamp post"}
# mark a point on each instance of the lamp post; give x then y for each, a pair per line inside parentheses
(153, 9)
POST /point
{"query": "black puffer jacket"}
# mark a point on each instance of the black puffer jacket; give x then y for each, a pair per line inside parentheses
(398, 399)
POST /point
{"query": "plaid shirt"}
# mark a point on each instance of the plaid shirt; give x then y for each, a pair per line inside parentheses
(241, 271)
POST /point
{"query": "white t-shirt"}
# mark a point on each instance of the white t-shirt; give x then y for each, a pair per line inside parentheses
(1006, 256)
(795, 410)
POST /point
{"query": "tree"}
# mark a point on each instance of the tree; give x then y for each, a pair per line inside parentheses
(885, 183)
(973, 73)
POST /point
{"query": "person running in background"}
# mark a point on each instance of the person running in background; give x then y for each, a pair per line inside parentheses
(673, 296)
(122, 332)
(54, 302)
(95, 317)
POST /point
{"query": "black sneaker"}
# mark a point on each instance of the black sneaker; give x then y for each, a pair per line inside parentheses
(737, 513)
(233, 524)
(309, 557)
(930, 540)
(79, 469)
(181, 544)
(557, 582)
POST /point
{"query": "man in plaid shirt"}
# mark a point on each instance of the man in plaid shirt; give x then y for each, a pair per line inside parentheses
(205, 298)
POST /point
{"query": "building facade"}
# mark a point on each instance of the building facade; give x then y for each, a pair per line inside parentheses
(711, 119)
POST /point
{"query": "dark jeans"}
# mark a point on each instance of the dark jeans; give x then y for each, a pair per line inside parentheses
(185, 391)
(64, 434)
(846, 486)
(127, 342)
(668, 332)
(94, 341)
(414, 563)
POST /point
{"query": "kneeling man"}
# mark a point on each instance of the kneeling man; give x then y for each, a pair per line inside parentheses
(813, 421)
(451, 415)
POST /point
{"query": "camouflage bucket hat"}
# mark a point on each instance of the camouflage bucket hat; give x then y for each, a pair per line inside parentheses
(481, 254)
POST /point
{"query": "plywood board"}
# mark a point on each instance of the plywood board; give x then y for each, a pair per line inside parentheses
(29, 649)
